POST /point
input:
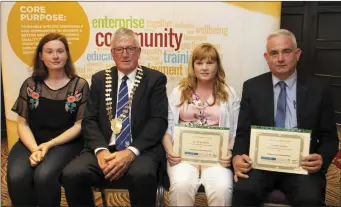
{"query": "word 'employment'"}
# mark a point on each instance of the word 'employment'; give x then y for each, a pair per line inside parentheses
(168, 38)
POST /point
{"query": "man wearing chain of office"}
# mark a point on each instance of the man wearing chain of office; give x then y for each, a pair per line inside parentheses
(124, 122)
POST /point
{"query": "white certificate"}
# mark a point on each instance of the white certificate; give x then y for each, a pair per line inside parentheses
(200, 145)
(277, 149)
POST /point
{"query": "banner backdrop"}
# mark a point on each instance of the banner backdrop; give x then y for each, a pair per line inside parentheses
(168, 32)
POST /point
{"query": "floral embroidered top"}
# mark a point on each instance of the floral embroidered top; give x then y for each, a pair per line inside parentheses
(51, 112)
(195, 112)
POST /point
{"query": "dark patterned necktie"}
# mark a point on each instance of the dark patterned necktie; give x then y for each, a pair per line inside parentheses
(281, 106)
(124, 137)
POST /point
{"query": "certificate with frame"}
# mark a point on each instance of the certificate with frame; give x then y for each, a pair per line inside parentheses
(278, 149)
(200, 145)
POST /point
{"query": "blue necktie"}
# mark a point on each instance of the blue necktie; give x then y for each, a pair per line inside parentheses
(124, 137)
(281, 106)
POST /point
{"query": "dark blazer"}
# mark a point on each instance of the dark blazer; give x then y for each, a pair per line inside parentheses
(149, 112)
(314, 112)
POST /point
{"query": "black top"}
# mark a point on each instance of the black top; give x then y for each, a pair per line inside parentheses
(51, 112)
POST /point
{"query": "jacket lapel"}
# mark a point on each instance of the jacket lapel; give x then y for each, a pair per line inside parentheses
(139, 93)
(114, 86)
(268, 103)
(301, 98)
(113, 95)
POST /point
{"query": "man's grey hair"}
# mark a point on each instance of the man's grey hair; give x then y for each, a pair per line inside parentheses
(280, 32)
(124, 33)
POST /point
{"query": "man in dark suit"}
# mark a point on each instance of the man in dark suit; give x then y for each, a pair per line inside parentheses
(286, 99)
(124, 123)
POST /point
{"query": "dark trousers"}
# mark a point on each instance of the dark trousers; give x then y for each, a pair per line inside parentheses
(300, 190)
(38, 186)
(84, 172)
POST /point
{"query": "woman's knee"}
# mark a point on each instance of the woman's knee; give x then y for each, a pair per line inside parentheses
(19, 176)
(19, 173)
(184, 185)
(219, 190)
(183, 176)
(218, 181)
(46, 176)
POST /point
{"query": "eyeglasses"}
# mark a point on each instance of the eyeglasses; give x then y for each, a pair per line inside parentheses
(120, 50)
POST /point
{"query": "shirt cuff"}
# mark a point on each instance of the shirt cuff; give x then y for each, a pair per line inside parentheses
(99, 149)
(134, 150)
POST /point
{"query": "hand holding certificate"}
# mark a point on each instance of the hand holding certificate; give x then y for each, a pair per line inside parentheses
(200, 145)
(280, 150)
